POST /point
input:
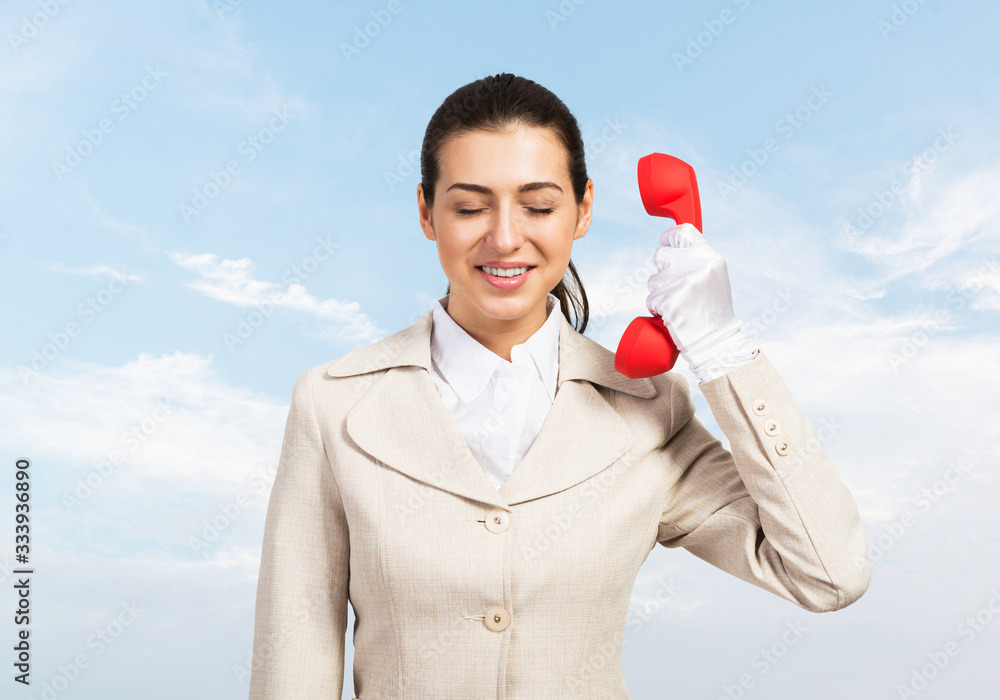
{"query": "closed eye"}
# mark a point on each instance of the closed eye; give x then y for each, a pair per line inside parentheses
(470, 212)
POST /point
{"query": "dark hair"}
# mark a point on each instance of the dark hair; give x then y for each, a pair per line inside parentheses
(498, 102)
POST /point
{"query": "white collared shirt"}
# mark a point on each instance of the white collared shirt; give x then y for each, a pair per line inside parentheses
(498, 406)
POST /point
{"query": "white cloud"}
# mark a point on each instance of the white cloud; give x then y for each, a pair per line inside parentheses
(232, 281)
(170, 417)
(946, 217)
(105, 220)
(118, 272)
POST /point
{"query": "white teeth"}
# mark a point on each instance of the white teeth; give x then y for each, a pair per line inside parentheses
(512, 272)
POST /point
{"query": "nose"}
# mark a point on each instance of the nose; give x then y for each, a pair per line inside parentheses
(505, 234)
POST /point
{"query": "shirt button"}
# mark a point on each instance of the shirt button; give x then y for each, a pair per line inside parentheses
(781, 447)
(771, 427)
(497, 520)
(497, 619)
(760, 407)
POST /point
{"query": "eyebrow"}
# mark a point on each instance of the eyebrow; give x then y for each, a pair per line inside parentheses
(529, 187)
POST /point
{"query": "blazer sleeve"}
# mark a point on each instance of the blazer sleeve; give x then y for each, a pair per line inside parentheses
(302, 591)
(774, 511)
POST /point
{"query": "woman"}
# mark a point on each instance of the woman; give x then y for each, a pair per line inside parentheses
(483, 486)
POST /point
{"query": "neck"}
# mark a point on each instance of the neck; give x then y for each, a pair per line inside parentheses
(497, 334)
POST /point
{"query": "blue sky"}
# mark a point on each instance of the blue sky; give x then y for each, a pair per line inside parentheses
(202, 199)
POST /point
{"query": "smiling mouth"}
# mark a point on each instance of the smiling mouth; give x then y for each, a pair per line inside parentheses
(510, 272)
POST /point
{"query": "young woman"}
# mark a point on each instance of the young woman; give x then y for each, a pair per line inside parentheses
(483, 486)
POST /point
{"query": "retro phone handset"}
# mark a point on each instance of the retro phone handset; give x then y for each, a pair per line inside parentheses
(668, 188)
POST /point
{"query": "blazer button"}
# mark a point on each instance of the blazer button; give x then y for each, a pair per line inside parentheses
(781, 447)
(497, 619)
(760, 407)
(497, 520)
(771, 427)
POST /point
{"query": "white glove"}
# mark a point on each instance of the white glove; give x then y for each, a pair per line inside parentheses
(691, 294)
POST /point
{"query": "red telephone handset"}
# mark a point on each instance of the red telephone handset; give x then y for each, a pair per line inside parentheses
(668, 188)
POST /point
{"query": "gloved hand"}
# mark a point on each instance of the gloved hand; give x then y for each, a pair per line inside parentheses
(691, 293)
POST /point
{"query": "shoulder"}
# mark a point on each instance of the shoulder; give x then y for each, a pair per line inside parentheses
(660, 415)
(657, 406)
(407, 346)
(360, 367)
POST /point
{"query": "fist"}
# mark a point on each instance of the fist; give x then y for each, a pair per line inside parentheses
(690, 291)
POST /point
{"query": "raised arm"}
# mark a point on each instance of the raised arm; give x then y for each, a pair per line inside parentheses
(774, 511)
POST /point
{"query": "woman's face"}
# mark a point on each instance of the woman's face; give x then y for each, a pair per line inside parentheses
(503, 197)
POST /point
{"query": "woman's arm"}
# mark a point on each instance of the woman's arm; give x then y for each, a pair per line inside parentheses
(774, 512)
(302, 591)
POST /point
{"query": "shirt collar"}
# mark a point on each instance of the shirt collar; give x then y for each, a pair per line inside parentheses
(467, 365)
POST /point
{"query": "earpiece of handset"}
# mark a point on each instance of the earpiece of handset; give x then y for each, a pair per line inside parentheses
(668, 188)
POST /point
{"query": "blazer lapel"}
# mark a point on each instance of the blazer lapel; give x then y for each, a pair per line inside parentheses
(581, 436)
(402, 422)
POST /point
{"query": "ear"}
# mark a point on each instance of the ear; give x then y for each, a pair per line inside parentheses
(425, 214)
(585, 211)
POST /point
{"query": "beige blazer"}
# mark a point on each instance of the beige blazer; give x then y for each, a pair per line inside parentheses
(463, 591)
